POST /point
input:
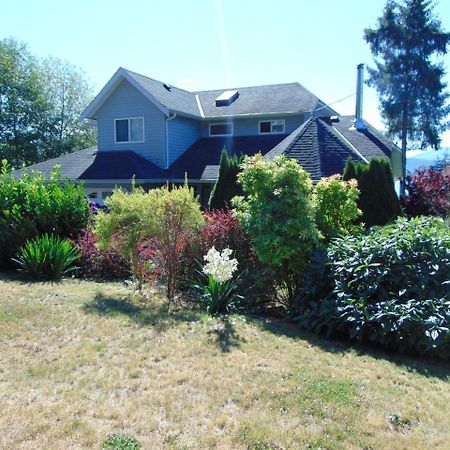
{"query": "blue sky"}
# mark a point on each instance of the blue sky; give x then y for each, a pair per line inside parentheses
(204, 44)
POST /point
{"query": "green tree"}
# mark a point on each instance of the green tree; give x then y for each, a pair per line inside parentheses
(406, 44)
(69, 93)
(276, 212)
(40, 106)
(226, 186)
(23, 104)
(378, 200)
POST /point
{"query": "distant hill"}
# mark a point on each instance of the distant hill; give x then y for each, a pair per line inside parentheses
(427, 159)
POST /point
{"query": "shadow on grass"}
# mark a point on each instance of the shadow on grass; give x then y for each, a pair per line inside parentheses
(422, 366)
(157, 316)
(225, 336)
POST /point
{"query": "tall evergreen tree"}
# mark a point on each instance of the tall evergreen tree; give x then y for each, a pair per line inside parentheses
(405, 44)
(378, 200)
(226, 186)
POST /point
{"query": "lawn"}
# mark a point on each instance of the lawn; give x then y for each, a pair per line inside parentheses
(83, 360)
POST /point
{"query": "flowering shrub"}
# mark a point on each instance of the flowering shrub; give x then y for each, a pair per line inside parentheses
(336, 206)
(428, 193)
(219, 265)
(218, 295)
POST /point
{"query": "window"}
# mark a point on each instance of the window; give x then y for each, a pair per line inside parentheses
(271, 126)
(220, 129)
(129, 130)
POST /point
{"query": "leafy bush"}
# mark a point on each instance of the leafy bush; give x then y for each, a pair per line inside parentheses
(378, 200)
(120, 442)
(390, 287)
(277, 214)
(428, 193)
(47, 257)
(336, 206)
(30, 206)
(162, 221)
(99, 264)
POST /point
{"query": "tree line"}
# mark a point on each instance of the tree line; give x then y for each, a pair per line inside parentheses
(41, 100)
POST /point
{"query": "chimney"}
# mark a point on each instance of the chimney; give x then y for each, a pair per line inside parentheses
(359, 122)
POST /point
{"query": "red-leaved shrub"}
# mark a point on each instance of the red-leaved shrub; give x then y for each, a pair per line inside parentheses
(428, 193)
(97, 264)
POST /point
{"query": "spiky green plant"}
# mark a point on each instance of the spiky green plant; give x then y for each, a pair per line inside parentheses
(47, 257)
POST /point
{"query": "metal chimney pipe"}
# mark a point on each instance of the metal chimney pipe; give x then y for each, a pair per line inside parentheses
(359, 122)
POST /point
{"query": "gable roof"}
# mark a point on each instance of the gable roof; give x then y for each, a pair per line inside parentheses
(287, 98)
(322, 146)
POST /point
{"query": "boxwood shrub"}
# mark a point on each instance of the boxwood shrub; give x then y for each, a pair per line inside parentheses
(389, 286)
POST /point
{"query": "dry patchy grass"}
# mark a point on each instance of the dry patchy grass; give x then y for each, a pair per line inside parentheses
(82, 360)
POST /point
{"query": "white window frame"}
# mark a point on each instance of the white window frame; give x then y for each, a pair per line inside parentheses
(271, 121)
(221, 123)
(129, 130)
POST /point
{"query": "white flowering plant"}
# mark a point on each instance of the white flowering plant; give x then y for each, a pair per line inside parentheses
(218, 295)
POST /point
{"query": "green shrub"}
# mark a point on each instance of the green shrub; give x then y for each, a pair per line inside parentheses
(378, 200)
(390, 287)
(166, 220)
(276, 212)
(336, 206)
(120, 442)
(30, 206)
(47, 257)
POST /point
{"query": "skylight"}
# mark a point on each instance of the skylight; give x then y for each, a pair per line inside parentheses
(227, 98)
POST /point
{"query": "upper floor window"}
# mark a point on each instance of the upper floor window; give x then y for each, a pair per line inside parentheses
(220, 129)
(129, 130)
(271, 126)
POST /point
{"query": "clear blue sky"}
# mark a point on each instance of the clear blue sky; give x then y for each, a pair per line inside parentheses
(203, 44)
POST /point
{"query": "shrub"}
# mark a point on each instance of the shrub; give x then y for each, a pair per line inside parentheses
(30, 206)
(226, 186)
(277, 214)
(163, 219)
(389, 287)
(428, 193)
(99, 264)
(47, 257)
(336, 206)
(120, 442)
(378, 200)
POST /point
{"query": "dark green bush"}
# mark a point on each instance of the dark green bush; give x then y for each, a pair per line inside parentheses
(31, 206)
(48, 257)
(378, 200)
(390, 287)
(120, 442)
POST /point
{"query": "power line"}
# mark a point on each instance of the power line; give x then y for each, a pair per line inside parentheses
(333, 103)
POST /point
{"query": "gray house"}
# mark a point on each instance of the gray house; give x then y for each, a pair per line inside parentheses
(158, 133)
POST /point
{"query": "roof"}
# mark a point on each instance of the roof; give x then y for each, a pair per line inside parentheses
(199, 162)
(322, 145)
(267, 99)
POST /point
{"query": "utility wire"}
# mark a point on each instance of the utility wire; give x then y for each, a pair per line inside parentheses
(333, 103)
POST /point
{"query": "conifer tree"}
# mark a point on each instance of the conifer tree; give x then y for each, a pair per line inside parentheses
(226, 186)
(409, 77)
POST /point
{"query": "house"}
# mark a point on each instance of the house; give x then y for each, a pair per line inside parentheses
(157, 133)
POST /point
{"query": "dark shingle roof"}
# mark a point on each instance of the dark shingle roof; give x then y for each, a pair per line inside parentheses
(72, 164)
(275, 98)
(199, 162)
(322, 146)
(174, 99)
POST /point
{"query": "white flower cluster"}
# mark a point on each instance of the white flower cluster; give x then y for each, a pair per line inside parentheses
(219, 265)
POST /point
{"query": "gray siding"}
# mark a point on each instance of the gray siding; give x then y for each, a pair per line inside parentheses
(183, 132)
(250, 126)
(127, 101)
